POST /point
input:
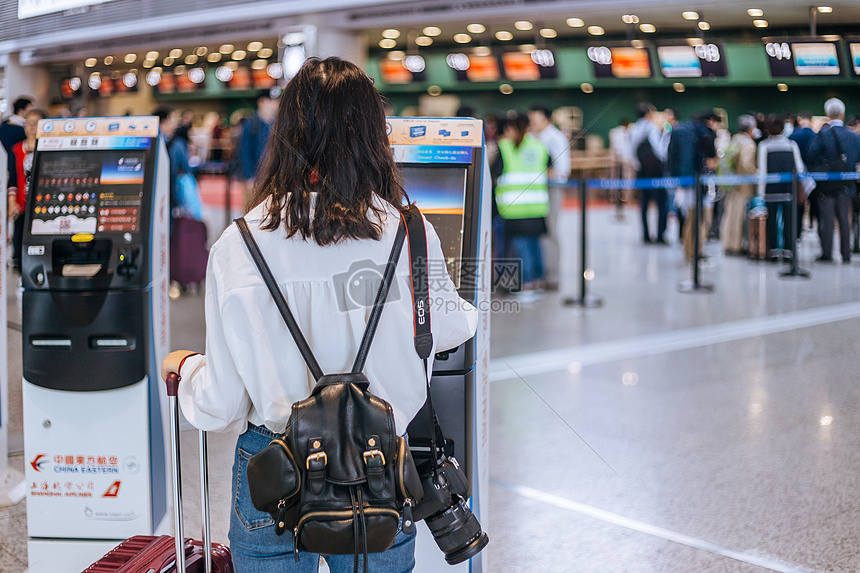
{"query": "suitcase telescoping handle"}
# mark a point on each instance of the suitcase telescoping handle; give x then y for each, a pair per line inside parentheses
(178, 525)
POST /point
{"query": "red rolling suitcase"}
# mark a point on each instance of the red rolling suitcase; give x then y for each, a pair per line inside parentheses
(188, 254)
(147, 553)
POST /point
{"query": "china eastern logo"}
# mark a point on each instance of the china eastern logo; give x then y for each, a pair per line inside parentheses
(39, 461)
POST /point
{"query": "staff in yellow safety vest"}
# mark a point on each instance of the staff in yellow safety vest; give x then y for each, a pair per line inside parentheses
(521, 197)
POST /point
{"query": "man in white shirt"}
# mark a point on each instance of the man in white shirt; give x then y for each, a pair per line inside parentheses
(556, 143)
(645, 142)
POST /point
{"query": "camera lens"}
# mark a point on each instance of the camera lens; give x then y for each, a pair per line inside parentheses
(457, 532)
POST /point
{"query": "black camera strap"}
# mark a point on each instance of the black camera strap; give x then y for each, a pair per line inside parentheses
(419, 272)
(289, 319)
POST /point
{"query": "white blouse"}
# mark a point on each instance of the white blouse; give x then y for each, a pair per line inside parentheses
(252, 370)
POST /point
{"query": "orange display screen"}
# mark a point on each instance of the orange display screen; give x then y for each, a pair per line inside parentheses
(630, 63)
(393, 72)
(483, 69)
(520, 67)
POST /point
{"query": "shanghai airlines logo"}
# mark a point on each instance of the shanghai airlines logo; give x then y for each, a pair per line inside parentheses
(38, 462)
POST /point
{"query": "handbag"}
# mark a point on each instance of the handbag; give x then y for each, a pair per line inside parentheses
(339, 477)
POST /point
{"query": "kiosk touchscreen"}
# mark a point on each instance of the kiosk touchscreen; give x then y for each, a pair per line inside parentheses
(446, 174)
(95, 328)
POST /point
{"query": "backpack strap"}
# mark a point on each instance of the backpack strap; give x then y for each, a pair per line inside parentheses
(379, 303)
(279, 299)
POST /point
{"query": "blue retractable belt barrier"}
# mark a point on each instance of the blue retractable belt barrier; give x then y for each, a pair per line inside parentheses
(728, 180)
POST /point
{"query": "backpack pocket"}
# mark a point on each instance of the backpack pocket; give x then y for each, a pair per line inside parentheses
(333, 532)
(406, 475)
(274, 481)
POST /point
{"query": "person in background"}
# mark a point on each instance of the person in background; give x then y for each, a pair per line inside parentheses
(558, 147)
(252, 140)
(17, 190)
(619, 146)
(522, 198)
(835, 146)
(647, 158)
(670, 122)
(741, 161)
(177, 150)
(803, 136)
(778, 154)
(12, 133)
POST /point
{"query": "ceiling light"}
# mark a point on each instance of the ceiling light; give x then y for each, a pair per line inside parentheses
(462, 38)
(704, 25)
(423, 40)
(226, 48)
(255, 46)
(690, 15)
(755, 12)
(528, 48)
(586, 88)
(391, 34)
(432, 31)
(108, 60)
(179, 70)
(232, 65)
(214, 57)
(548, 33)
(265, 53)
(760, 23)
(506, 89)
(630, 19)
(596, 30)
(239, 55)
(482, 51)
(396, 55)
(175, 53)
(648, 28)
(191, 59)
(224, 74)
(504, 35)
(275, 71)
(782, 87)
(148, 63)
(387, 43)
(259, 64)
(524, 25)
(434, 90)
(168, 61)
(825, 9)
(679, 87)
(151, 55)
(476, 28)
(575, 22)
(90, 62)
(201, 51)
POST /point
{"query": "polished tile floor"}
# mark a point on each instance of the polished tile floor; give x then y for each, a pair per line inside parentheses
(663, 432)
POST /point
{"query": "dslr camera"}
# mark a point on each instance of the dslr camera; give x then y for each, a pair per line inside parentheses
(453, 525)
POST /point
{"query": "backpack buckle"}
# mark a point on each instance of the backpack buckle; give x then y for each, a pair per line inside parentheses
(318, 456)
(370, 454)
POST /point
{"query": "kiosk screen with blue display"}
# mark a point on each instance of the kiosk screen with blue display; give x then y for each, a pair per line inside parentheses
(88, 192)
(440, 193)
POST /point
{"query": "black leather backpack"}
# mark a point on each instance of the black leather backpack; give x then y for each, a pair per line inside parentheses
(340, 477)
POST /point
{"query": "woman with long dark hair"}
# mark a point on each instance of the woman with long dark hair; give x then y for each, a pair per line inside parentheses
(325, 211)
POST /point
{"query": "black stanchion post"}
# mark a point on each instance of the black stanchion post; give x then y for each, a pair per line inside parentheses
(695, 285)
(794, 270)
(584, 300)
(228, 217)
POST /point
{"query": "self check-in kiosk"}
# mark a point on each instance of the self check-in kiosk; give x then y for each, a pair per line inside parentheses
(446, 174)
(95, 328)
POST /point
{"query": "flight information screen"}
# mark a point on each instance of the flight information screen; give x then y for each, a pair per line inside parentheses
(440, 193)
(94, 191)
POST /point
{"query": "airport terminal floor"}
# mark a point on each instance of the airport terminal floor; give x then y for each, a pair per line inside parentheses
(662, 432)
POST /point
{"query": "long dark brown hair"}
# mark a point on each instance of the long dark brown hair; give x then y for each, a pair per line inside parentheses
(328, 137)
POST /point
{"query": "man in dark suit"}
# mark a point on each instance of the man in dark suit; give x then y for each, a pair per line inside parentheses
(835, 149)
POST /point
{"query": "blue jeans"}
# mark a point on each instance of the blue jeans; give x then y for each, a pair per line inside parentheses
(529, 252)
(257, 549)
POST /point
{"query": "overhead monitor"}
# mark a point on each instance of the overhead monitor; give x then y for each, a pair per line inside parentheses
(621, 62)
(440, 192)
(475, 68)
(803, 57)
(692, 59)
(854, 55)
(529, 66)
(399, 72)
(90, 191)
